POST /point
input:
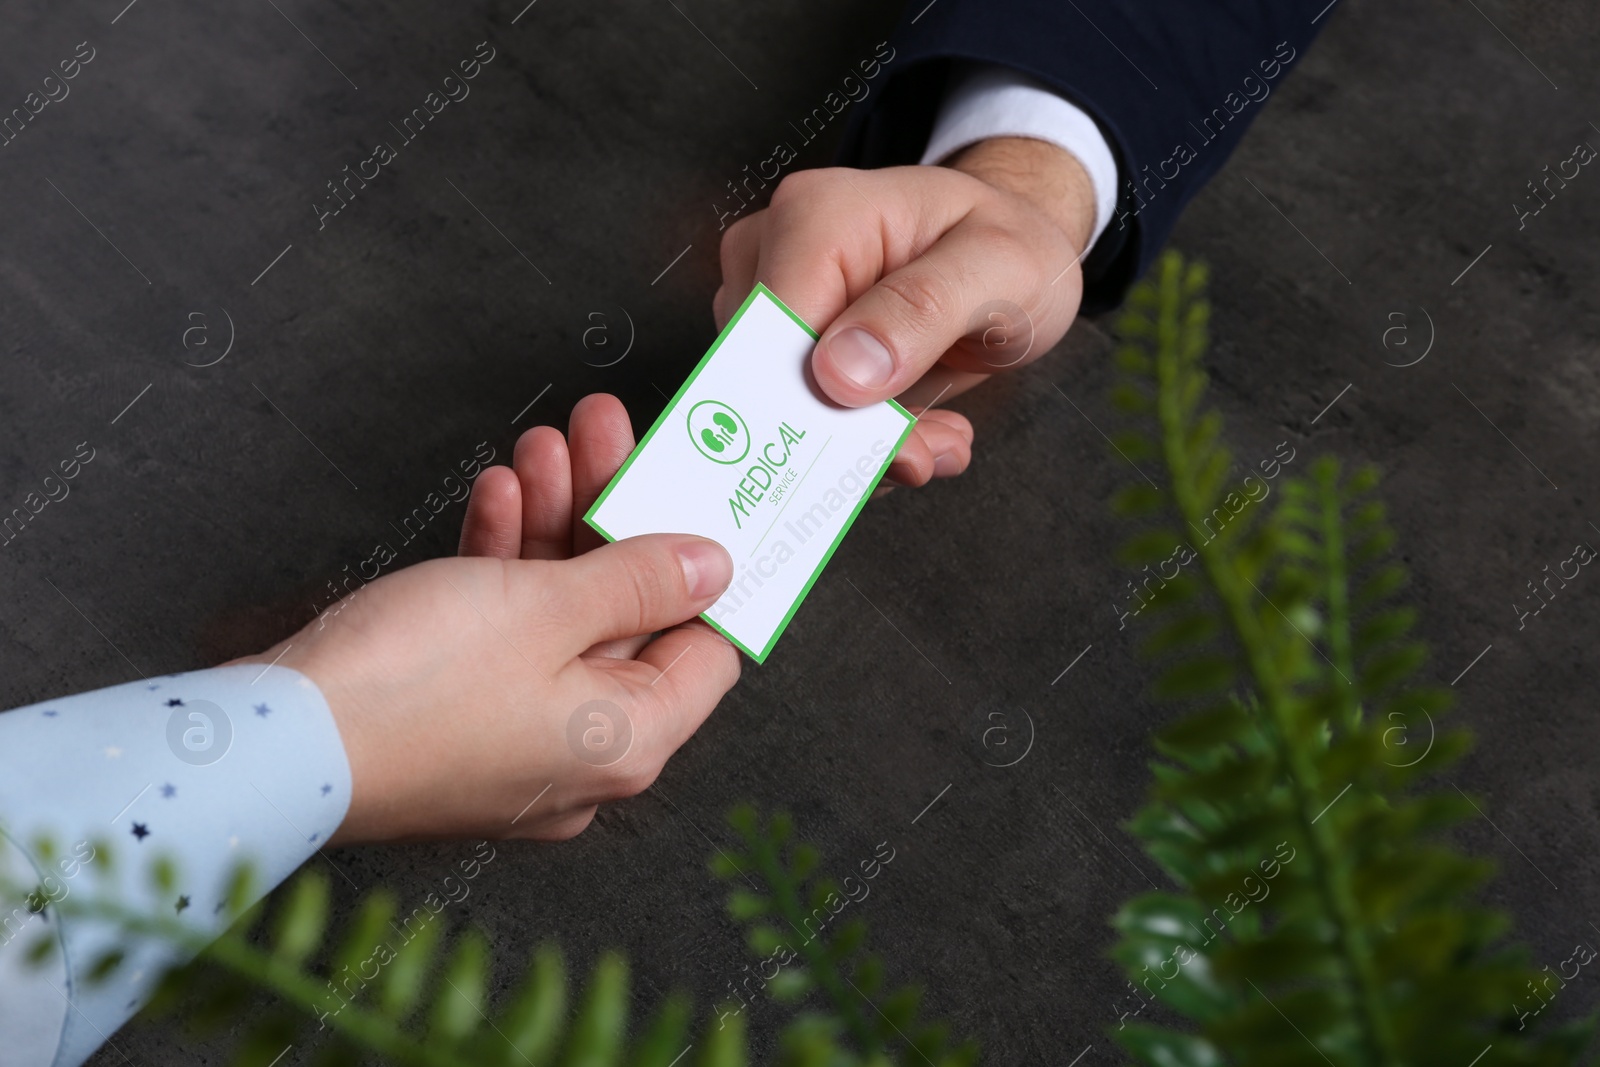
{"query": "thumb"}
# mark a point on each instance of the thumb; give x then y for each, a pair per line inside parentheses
(636, 586)
(890, 337)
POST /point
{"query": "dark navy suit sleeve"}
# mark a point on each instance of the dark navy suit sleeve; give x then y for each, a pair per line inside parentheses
(1172, 83)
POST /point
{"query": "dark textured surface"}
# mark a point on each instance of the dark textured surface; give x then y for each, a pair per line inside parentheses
(408, 330)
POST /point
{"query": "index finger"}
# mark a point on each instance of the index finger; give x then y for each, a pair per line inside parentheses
(830, 234)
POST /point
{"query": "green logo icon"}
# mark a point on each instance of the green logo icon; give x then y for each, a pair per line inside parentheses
(718, 432)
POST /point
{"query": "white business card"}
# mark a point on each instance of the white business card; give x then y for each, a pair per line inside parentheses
(751, 454)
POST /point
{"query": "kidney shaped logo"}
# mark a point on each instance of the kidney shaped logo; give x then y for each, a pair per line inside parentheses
(718, 432)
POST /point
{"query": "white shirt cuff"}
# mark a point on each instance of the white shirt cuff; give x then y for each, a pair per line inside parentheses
(994, 101)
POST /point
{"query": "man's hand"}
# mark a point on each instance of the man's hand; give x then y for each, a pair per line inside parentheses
(925, 280)
(457, 683)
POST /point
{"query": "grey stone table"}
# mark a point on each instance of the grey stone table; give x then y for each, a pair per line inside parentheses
(178, 199)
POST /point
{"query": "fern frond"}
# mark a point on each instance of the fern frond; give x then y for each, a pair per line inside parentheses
(788, 915)
(423, 1000)
(420, 1002)
(1316, 905)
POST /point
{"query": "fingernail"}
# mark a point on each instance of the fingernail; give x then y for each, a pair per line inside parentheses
(861, 357)
(707, 568)
(946, 465)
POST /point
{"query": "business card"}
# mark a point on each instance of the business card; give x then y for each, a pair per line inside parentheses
(752, 454)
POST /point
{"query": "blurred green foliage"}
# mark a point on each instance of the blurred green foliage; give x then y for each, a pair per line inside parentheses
(353, 997)
(1319, 915)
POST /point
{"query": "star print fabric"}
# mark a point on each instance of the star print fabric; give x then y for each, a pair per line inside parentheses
(208, 769)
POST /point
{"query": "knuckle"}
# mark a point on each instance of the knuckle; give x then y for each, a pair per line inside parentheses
(734, 238)
(651, 588)
(807, 192)
(919, 299)
(994, 237)
(797, 185)
(628, 779)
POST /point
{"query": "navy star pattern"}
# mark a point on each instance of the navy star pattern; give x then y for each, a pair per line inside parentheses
(112, 744)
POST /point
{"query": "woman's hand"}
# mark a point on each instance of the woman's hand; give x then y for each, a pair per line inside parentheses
(508, 694)
(534, 508)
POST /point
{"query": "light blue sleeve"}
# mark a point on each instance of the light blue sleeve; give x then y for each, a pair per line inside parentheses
(208, 768)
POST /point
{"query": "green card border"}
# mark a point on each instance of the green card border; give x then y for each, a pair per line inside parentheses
(911, 421)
